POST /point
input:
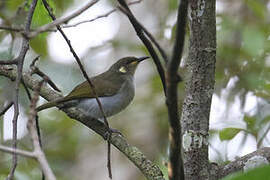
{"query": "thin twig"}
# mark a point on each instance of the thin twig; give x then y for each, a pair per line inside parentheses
(84, 74)
(99, 17)
(36, 70)
(62, 20)
(263, 136)
(151, 37)
(8, 62)
(17, 29)
(125, 9)
(4, 110)
(14, 29)
(17, 151)
(175, 165)
(32, 126)
(20, 59)
(26, 90)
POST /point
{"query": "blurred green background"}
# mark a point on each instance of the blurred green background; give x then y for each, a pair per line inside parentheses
(239, 119)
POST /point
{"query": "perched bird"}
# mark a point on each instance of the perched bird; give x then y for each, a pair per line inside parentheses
(114, 88)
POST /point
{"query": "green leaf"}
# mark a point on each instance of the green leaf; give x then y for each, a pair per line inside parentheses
(228, 133)
(254, 174)
(39, 44)
(41, 16)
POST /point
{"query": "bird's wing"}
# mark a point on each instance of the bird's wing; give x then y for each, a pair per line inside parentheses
(103, 88)
(85, 91)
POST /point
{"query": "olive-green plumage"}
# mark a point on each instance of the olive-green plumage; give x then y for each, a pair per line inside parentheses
(117, 80)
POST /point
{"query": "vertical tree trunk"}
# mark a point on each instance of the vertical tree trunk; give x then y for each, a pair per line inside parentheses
(199, 88)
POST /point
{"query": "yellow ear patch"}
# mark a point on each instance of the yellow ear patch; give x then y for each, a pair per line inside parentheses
(122, 69)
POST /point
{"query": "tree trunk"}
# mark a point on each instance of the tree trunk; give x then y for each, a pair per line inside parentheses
(199, 88)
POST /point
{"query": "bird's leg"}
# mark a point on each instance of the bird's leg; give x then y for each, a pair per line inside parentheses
(111, 131)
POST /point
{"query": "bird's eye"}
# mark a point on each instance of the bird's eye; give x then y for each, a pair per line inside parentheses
(122, 69)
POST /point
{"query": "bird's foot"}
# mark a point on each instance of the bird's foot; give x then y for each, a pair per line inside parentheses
(111, 131)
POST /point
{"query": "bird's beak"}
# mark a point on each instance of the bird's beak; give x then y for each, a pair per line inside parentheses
(142, 58)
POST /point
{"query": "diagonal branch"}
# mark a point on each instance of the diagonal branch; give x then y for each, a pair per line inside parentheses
(5, 108)
(100, 16)
(48, 8)
(139, 30)
(57, 22)
(148, 168)
(175, 166)
(240, 163)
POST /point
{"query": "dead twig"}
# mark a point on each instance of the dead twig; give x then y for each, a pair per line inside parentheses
(5, 108)
(36, 70)
(62, 20)
(99, 17)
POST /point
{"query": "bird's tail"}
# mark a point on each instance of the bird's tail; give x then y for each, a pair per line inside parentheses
(49, 104)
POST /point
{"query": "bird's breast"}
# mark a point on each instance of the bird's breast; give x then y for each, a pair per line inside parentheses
(110, 104)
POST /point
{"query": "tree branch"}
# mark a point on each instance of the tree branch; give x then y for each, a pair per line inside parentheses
(139, 30)
(17, 151)
(175, 165)
(100, 16)
(148, 168)
(240, 163)
(62, 20)
(33, 129)
(5, 108)
(20, 62)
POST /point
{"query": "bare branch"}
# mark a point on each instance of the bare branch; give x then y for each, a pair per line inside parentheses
(148, 168)
(238, 164)
(17, 151)
(15, 29)
(175, 165)
(61, 20)
(125, 9)
(4, 110)
(36, 70)
(27, 90)
(8, 62)
(100, 16)
(20, 59)
(32, 126)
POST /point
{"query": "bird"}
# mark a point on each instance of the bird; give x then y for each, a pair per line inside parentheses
(114, 88)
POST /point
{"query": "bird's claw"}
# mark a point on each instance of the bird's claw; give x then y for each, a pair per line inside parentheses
(111, 131)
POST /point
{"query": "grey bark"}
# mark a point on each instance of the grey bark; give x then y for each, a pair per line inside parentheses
(199, 88)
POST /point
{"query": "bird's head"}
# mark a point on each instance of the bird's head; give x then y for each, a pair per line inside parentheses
(127, 65)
